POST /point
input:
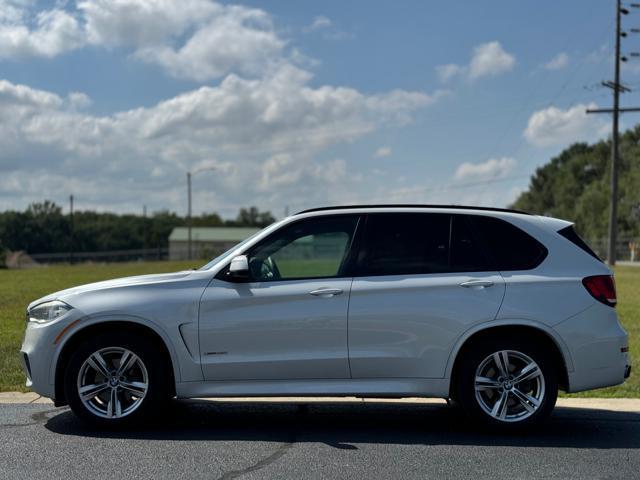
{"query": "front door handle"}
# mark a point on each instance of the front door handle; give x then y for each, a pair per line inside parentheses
(477, 284)
(326, 292)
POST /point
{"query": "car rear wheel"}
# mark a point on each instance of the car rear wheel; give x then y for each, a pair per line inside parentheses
(507, 384)
(115, 379)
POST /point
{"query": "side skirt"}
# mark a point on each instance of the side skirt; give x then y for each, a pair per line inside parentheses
(365, 387)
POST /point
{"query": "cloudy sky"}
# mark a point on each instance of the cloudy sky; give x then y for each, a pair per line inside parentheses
(295, 104)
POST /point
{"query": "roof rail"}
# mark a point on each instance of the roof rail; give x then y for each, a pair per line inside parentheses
(458, 207)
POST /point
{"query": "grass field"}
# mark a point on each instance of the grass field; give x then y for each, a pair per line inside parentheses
(19, 287)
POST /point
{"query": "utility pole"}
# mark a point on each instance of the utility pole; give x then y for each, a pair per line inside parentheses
(189, 175)
(189, 216)
(617, 88)
(70, 229)
(145, 231)
(615, 151)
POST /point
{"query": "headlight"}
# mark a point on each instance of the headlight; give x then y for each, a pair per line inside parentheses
(48, 311)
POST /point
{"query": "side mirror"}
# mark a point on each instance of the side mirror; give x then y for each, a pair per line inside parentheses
(239, 267)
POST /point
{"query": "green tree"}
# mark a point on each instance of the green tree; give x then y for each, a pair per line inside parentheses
(575, 185)
(252, 217)
(44, 228)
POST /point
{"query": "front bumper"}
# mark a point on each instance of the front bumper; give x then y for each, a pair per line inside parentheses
(39, 352)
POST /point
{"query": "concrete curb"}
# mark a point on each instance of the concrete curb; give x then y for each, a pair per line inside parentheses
(611, 404)
(19, 397)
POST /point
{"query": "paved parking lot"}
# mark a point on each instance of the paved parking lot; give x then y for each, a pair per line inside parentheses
(319, 440)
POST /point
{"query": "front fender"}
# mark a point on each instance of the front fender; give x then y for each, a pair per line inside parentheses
(92, 320)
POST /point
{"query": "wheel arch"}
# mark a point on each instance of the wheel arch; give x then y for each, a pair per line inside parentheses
(543, 334)
(90, 327)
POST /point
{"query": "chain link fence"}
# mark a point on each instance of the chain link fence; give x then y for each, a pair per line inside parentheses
(627, 249)
(108, 256)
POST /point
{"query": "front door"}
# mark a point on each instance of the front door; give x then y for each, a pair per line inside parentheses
(422, 281)
(289, 320)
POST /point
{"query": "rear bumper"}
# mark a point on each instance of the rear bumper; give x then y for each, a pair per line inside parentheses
(598, 346)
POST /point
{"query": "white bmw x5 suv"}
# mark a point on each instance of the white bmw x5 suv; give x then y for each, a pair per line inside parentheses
(493, 309)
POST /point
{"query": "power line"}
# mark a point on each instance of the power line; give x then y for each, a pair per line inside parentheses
(550, 103)
(461, 186)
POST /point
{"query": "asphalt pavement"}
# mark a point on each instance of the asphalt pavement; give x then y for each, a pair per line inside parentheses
(294, 440)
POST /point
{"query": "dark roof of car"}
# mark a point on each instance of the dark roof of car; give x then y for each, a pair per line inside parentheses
(457, 207)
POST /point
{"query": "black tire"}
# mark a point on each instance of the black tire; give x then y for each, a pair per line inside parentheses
(157, 390)
(543, 388)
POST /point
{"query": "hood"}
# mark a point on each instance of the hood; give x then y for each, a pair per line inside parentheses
(115, 283)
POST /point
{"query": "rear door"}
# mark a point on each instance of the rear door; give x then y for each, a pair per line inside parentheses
(422, 280)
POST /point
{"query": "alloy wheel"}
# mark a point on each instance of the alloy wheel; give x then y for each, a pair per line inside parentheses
(112, 382)
(509, 386)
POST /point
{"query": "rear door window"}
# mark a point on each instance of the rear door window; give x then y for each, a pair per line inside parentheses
(467, 254)
(420, 243)
(406, 244)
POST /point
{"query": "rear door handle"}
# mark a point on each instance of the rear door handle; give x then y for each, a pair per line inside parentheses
(326, 292)
(477, 284)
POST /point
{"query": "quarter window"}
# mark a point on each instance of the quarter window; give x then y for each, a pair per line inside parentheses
(509, 248)
(570, 234)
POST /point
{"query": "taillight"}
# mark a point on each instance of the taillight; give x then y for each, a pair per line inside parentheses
(602, 288)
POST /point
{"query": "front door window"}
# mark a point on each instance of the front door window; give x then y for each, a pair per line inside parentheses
(313, 248)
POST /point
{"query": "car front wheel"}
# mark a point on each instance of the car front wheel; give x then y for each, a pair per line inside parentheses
(115, 379)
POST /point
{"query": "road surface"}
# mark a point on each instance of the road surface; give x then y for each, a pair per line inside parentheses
(225, 440)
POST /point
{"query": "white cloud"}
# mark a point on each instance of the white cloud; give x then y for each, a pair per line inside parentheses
(555, 126)
(448, 71)
(487, 59)
(558, 62)
(264, 135)
(331, 173)
(326, 26)
(21, 96)
(194, 39)
(208, 55)
(279, 171)
(396, 105)
(490, 59)
(383, 152)
(78, 100)
(237, 39)
(453, 193)
(139, 24)
(12, 11)
(320, 22)
(264, 125)
(491, 169)
(54, 32)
